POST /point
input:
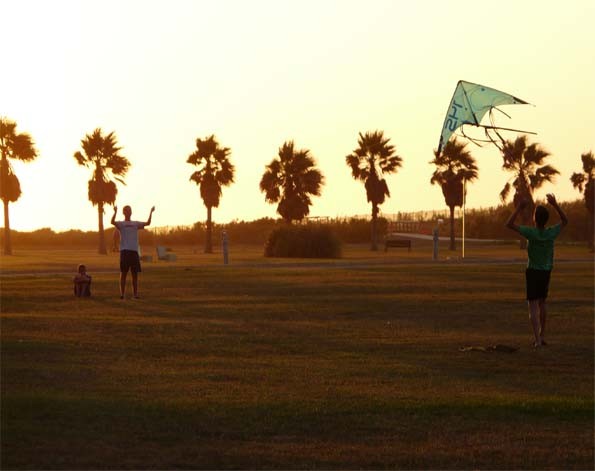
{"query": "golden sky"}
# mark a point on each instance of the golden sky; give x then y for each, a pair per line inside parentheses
(256, 73)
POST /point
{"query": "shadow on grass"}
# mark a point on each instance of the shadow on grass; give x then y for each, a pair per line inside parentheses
(71, 429)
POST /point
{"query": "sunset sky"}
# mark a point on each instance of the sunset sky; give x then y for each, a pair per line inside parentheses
(256, 73)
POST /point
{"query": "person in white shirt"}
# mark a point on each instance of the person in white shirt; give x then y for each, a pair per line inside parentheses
(129, 259)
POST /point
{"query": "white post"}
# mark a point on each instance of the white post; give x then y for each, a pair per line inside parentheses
(435, 239)
(463, 245)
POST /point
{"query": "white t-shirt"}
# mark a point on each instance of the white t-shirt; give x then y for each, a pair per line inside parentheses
(129, 234)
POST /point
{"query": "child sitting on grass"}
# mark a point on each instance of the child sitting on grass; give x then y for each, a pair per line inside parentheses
(82, 283)
(540, 249)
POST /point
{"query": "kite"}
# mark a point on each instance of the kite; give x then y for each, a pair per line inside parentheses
(469, 105)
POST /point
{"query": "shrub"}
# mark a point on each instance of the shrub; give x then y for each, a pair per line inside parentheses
(311, 241)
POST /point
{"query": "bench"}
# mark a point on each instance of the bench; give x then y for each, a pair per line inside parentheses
(391, 242)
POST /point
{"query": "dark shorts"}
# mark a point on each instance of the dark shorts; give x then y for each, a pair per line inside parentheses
(129, 260)
(538, 283)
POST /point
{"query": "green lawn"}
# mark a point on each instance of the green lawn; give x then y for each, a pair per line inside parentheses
(349, 363)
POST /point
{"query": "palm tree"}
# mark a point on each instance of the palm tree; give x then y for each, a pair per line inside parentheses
(18, 146)
(214, 171)
(454, 165)
(102, 154)
(373, 159)
(526, 163)
(291, 180)
(585, 183)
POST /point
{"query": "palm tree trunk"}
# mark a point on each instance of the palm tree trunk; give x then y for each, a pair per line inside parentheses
(102, 248)
(374, 246)
(591, 229)
(209, 238)
(7, 244)
(452, 228)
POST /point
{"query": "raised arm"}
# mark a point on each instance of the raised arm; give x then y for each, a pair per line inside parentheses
(551, 199)
(113, 221)
(510, 223)
(148, 223)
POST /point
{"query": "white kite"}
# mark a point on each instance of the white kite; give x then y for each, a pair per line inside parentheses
(469, 105)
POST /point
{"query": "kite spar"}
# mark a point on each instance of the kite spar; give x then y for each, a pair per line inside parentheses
(470, 103)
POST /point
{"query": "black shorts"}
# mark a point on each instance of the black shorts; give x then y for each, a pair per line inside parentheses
(538, 283)
(129, 260)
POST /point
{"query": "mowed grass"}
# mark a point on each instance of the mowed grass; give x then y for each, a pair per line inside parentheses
(350, 364)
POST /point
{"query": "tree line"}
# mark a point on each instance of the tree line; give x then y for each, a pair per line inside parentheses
(291, 179)
(482, 223)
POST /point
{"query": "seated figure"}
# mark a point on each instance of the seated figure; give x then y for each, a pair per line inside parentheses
(82, 283)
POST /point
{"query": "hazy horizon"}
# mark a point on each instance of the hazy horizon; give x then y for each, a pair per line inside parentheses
(161, 74)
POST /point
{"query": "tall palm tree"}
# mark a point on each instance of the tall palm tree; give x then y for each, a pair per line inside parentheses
(291, 180)
(585, 183)
(214, 172)
(18, 146)
(454, 165)
(526, 163)
(102, 154)
(374, 158)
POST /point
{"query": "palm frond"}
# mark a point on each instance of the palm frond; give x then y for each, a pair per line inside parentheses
(505, 192)
(391, 164)
(15, 145)
(225, 174)
(23, 148)
(10, 187)
(197, 177)
(354, 162)
(437, 178)
(193, 158)
(80, 159)
(312, 182)
(270, 185)
(578, 181)
(588, 160)
(534, 155)
(92, 145)
(117, 164)
(7, 128)
(542, 175)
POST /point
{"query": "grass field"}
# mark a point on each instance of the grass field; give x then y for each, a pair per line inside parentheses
(303, 364)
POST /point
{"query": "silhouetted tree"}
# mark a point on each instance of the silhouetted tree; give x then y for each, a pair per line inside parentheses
(525, 162)
(454, 165)
(18, 146)
(102, 155)
(585, 183)
(374, 158)
(214, 172)
(291, 180)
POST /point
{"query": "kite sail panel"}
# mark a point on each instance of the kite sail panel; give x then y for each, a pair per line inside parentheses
(469, 105)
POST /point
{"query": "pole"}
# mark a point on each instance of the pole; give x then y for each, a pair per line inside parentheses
(225, 244)
(464, 188)
(436, 239)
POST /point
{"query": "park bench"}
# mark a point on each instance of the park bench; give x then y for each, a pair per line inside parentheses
(396, 242)
(164, 253)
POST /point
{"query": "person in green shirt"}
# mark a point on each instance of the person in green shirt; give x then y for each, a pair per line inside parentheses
(540, 250)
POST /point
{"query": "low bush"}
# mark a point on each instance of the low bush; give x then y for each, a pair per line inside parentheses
(310, 241)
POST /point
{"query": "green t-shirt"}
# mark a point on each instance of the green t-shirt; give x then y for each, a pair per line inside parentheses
(541, 245)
